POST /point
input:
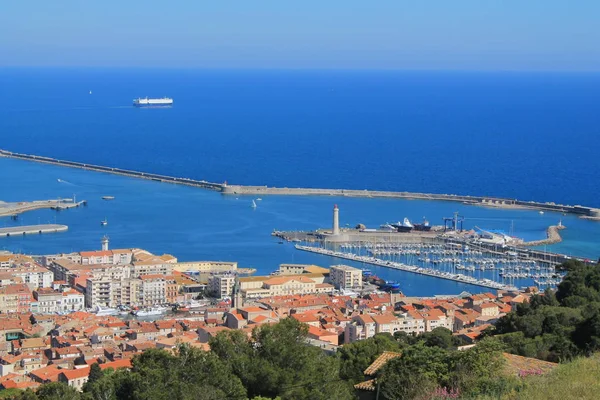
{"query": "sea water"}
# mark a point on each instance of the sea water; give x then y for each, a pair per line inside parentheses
(528, 136)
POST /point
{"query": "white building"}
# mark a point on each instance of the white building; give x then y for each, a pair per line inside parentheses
(345, 277)
(221, 285)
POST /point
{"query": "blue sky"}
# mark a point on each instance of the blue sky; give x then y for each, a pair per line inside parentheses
(396, 34)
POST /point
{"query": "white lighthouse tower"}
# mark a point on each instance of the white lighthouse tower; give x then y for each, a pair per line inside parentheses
(336, 220)
(105, 243)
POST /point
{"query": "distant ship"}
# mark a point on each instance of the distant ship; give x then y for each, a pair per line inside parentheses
(104, 222)
(404, 226)
(165, 101)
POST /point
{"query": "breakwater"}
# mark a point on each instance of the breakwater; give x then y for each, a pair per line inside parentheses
(117, 171)
(486, 201)
(13, 209)
(32, 229)
(552, 236)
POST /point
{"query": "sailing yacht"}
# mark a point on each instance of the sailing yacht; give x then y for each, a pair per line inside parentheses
(253, 204)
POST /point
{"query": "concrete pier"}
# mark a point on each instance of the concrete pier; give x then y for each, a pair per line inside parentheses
(32, 229)
(552, 236)
(13, 209)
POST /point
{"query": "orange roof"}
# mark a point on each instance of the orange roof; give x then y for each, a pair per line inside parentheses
(71, 374)
(49, 373)
(116, 364)
(380, 362)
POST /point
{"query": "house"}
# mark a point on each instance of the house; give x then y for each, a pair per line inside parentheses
(75, 378)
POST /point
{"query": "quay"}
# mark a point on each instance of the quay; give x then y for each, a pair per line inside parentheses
(14, 209)
(32, 229)
(487, 283)
(485, 201)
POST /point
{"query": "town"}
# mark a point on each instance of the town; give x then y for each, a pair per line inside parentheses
(62, 313)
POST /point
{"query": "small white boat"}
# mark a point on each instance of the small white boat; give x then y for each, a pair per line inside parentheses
(105, 312)
(108, 197)
(147, 312)
(104, 222)
(90, 92)
(259, 199)
(541, 213)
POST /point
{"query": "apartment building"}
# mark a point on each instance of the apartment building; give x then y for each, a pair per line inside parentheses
(15, 298)
(151, 290)
(345, 277)
(49, 301)
(221, 285)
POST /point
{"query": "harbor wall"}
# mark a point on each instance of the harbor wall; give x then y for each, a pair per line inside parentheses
(586, 212)
(485, 201)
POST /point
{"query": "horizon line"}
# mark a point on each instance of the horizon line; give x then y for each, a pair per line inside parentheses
(298, 69)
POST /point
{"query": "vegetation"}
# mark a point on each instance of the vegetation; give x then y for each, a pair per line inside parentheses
(557, 326)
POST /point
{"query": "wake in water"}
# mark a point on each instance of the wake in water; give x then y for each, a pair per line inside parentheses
(65, 182)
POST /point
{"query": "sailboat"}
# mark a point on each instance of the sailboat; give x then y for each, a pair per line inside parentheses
(104, 222)
(253, 204)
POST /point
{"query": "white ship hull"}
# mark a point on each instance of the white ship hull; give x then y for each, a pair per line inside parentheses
(165, 101)
(151, 312)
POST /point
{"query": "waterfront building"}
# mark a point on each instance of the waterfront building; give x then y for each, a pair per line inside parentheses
(283, 285)
(345, 277)
(221, 285)
(151, 290)
(298, 269)
(196, 267)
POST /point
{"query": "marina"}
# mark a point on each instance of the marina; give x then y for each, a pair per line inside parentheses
(457, 277)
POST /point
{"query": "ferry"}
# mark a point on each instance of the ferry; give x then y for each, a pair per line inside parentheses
(164, 101)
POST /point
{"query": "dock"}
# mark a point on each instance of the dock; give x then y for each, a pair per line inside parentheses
(487, 283)
(241, 190)
(32, 229)
(16, 208)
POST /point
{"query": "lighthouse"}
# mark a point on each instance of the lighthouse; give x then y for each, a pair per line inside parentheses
(336, 220)
(105, 243)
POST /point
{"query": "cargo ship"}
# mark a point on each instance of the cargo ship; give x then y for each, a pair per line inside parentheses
(404, 226)
(165, 101)
(424, 226)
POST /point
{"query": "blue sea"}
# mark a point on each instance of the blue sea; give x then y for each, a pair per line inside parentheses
(523, 135)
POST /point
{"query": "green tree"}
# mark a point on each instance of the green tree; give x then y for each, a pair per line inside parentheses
(420, 370)
(356, 357)
(57, 391)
